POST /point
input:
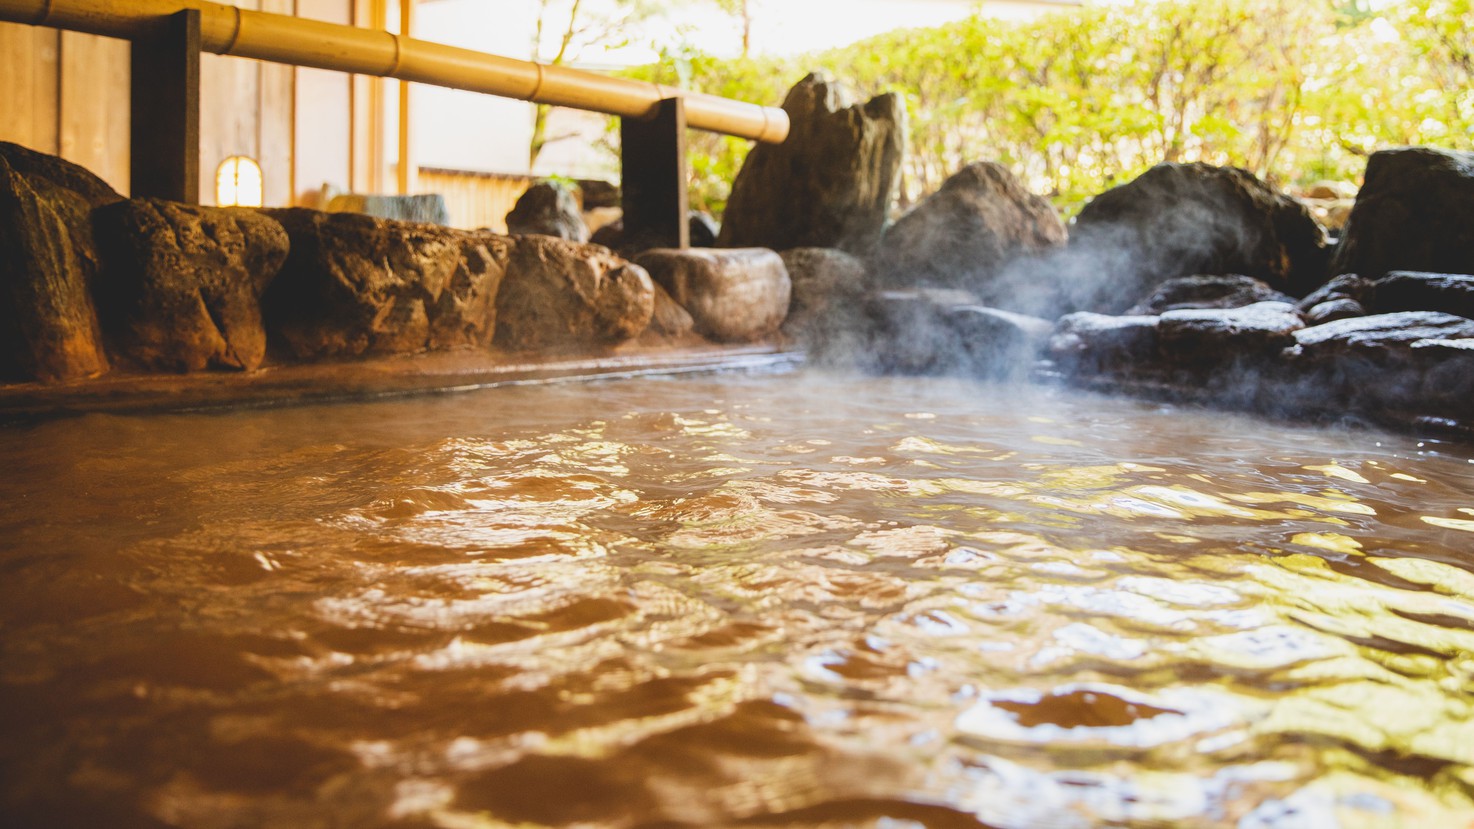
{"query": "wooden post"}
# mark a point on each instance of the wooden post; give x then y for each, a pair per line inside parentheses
(166, 110)
(653, 177)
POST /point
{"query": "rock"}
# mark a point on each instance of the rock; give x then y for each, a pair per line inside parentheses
(355, 285)
(928, 333)
(1447, 369)
(1411, 361)
(465, 314)
(830, 184)
(1415, 212)
(1332, 310)
(596, 193)
(968, 233)
(995, 343)
(1377, 335)
(48, 323)
(58, 173)
(182, 284)
(702, 230)
(1213, 337)
(1413, 291)
(1087, 343)
(669, 319)
(734, 295)
(548, 208)
(1181, 219)
(428, 208)
(559, 294)
(1205, 292)
(821, 278)
(1346, 286)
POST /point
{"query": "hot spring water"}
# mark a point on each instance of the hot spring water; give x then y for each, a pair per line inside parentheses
(785, 600)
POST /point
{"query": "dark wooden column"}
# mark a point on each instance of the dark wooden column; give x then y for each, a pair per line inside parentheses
(166, 110)
(653, 177)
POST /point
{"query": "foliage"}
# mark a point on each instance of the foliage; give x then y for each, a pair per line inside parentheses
(1293, 90)
(565, 29)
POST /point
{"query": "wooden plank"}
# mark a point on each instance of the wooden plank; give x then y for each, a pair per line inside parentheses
(28, 107)
(94, 105)
(165, 101)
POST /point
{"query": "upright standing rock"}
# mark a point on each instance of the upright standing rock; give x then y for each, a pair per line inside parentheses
(182, 284)
(548, 208)
(1415, 212)
(48, 262)
(968, 233)
(830, 184)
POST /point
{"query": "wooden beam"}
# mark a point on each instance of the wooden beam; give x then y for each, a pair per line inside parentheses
(165, 102)
(653, 177)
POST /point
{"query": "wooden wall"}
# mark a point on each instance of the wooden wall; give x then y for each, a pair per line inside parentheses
(67, 93)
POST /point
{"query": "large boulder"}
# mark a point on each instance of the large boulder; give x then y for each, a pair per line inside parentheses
(560, 295)
(48, 323)
(1415, 291)
(733, 296)
(830, 184)
(465, 314)
(1204, 292)
(825, 281)
(1182, 219)
(968, 233)
(1415, 212)
(356, 285)
(548, 208)
(1412, 362)
(182, 284)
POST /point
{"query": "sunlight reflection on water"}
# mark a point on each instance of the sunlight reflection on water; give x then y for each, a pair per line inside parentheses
(787, 600)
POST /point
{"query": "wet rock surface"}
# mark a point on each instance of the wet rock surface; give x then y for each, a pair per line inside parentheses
(559, 295)
(49, 327)
(1218, 335)
(1202, 292)
(1178, 220)
(548, 208)
(733, 295)
(830, 183)
(183, 284)
(968, 233)
(1413, 291)
(1415, 212)
(355, 285)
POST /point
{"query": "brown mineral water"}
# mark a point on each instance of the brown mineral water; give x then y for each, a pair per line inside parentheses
(784, 600)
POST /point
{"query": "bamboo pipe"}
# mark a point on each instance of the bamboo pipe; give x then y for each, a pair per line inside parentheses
(227, 30)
